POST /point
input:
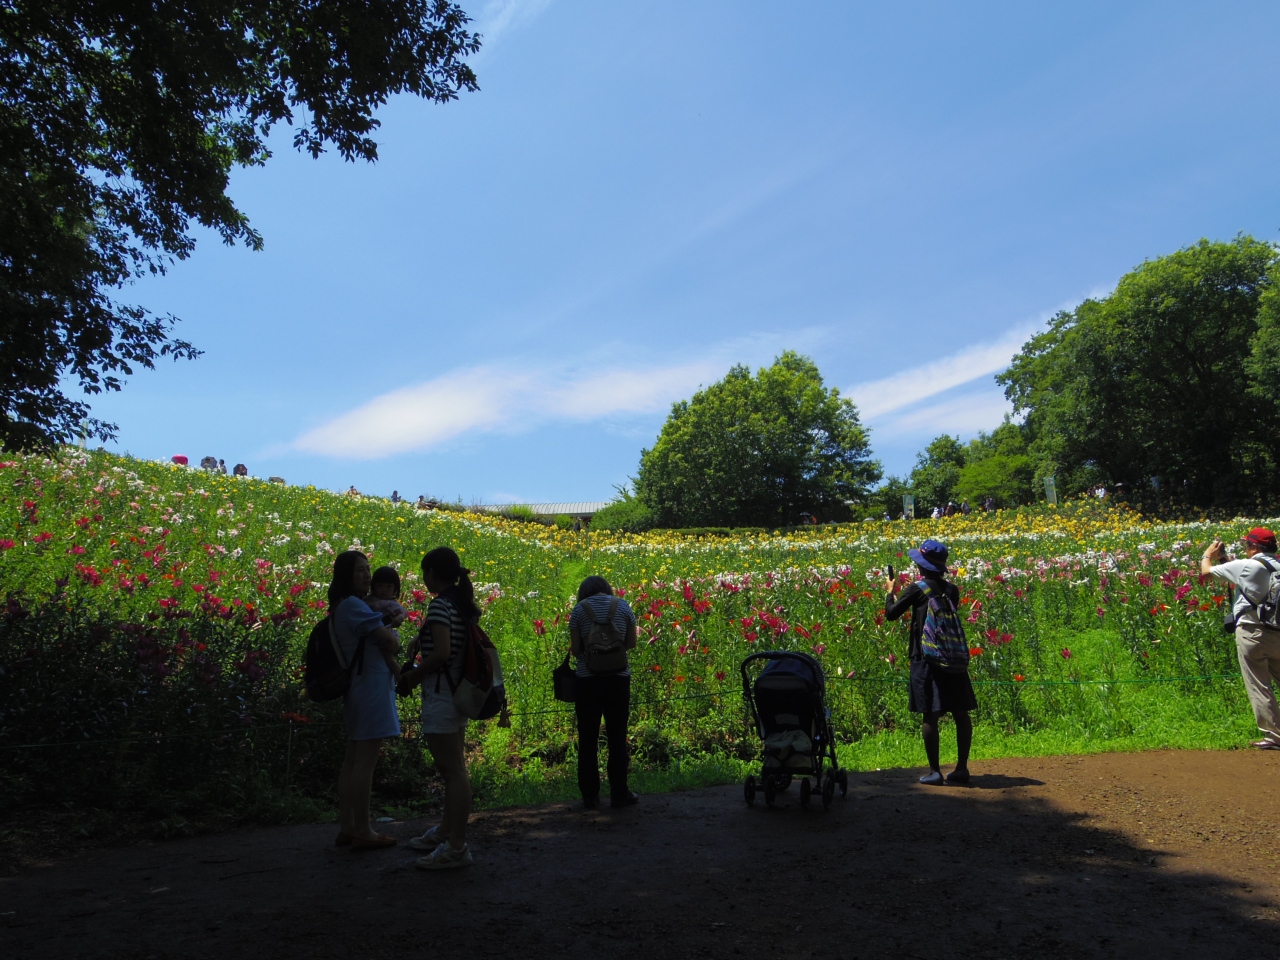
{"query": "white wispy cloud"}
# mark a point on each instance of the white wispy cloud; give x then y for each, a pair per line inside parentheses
(499, 397)
(500, 16)
(963, 416)
(879, 397)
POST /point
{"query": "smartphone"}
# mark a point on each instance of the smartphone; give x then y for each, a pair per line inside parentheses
(892, 574)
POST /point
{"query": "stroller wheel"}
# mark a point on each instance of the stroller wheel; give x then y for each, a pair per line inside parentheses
(844, 783)
(828, 790)
(749, 791)
(784, 781)
(806, 791)
(770, 790)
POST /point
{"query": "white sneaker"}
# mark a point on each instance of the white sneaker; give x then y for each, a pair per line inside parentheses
(428, 841)
(444, 857)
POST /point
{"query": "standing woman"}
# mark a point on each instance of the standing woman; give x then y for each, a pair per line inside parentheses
(441, 642)
(369, 707)
(600, 694)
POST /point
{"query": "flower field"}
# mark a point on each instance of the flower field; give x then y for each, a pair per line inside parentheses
(150, 648)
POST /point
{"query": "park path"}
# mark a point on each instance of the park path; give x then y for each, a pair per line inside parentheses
(1164, 854)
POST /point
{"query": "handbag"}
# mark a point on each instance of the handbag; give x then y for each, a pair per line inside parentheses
(564, 682)
(1229, 616)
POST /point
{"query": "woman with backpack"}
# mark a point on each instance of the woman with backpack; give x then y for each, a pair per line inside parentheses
(939, 657)
(602, 628)
(369, 706)
(442, 641)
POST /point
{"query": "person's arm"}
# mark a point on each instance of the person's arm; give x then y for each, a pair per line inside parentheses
(895, 606)
(388, 645)
(632, 635)
(441, 647)
(1212, 554)
(575, 640)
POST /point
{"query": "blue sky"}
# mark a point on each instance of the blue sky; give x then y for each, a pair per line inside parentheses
(505, 306)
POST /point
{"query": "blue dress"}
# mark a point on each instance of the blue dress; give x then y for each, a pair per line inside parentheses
(369, 708)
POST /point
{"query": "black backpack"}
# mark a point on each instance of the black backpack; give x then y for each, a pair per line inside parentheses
(326, 673)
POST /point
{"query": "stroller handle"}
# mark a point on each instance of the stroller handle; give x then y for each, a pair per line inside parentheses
(773, 655)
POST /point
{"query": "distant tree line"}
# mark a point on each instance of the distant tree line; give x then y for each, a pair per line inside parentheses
(1166, 390)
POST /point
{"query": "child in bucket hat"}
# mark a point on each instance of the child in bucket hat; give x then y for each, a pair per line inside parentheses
(935, 689)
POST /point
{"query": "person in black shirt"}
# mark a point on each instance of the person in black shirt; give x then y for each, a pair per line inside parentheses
(933, 691)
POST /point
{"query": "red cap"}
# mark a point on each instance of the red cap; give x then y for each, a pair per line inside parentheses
(1260, 537)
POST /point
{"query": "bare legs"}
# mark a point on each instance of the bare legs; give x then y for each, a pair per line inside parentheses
(447, 751)
(964, 740)
(354, 784)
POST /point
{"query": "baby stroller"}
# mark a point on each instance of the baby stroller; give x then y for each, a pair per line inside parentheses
(788, 705)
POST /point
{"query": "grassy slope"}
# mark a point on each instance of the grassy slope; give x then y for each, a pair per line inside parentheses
(538, 570)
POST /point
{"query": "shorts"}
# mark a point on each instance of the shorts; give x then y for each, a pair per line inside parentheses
(439, 715)
(934, 690)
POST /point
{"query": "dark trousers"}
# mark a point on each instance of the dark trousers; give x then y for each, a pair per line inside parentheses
(610, 698)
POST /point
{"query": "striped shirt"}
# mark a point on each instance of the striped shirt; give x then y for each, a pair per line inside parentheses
(445, 611)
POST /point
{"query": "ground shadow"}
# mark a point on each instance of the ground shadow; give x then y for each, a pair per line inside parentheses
(937, 873)
(996, 781)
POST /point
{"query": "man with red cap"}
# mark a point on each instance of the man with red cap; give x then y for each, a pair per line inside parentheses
(1257, 645)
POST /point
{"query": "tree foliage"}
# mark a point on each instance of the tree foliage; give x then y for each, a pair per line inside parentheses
(997, 465)
(758, 450)
(1171, 376)
(119, 125)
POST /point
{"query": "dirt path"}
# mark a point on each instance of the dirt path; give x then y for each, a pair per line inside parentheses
(1166, 854)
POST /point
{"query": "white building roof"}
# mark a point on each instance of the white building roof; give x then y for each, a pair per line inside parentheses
(577, 508)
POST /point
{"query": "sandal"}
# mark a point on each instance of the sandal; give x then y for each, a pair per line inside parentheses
(380, 843)
(933, 779)
(958, 776)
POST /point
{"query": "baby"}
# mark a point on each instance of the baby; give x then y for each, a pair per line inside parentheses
(384, 591)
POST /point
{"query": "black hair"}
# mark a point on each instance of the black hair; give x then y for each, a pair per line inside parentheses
(445, 564)
(592, 586)
(343, 584)
(387, 575)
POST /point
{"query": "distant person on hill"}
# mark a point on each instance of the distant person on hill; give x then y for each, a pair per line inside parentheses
(209, 463)
(1257, 646)
(602, 628)
(935, 688)
(442, 642)
(937, 513)
(395, 496)
(965, 509)
(352, 491)
(369, 707)
(989, 504)
(240, 470)
(222, 467)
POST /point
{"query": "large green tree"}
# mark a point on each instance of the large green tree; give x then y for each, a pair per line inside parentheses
(758, 450)
(997, 465)
(1171, 376)
(120, 122)
(936, 472)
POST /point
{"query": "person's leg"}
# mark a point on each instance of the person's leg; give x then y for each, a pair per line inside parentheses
(929, 731)
(589, 707)
(617, 711)
(1255, 669)
(346, 824)
(448, 752)
(356, 784)
(964, 740)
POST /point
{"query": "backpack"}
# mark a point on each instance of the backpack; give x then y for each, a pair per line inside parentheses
(942, 640)
(604, 648)
(1269, 608)
(326, 673)
(479, 693)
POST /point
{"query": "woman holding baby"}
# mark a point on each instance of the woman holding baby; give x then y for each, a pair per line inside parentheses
(369, 642)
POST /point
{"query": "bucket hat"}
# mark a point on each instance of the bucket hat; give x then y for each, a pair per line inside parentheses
(931, 556)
